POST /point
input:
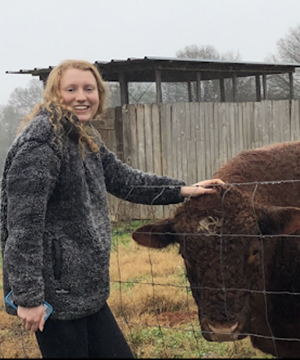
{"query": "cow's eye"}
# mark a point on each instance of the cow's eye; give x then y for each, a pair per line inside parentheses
(253, 252)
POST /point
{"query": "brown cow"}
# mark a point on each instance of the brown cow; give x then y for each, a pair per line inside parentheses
(241, 250)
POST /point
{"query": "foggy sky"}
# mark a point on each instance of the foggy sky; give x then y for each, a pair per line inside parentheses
(40, 33)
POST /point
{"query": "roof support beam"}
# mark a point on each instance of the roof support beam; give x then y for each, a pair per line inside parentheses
(265, 91)
(198, 87)
(158, 86)
(123, 89)
(189, 86)
(43, 78)
(257, 84)
(291, 80)
(234, 87)
(222, 90)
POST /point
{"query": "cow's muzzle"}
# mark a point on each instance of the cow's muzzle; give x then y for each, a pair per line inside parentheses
(219, 332)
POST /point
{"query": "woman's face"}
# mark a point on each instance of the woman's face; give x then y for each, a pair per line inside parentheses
(79, 91)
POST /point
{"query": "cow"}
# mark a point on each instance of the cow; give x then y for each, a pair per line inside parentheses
(241, 249)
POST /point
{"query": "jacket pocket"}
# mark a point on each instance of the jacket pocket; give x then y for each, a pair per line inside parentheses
(57, 259)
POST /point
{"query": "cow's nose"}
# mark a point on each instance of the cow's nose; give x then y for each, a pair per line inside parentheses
(223, 332)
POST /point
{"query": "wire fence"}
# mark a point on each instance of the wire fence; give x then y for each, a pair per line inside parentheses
(153, 300)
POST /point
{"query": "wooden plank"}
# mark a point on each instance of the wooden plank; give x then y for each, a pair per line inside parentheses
(286, 124)
(119, 132)
(277, 122)
(192, 159)
(166, 139)
(181, 138)
(209, 134)
(141, 160)
(264, 122)
(130, 146)
(238, 119)
(176, 154)
(221, 135)
(232, 126)
(295, 120)
(271, 124)
(185, 139)
(156, 146)
(200, 142)
(257, 125)
(167, 147)
(148, 138)
(140, 127)
(247, 109)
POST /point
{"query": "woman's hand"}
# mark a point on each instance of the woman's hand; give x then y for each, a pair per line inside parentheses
(200, 188)
(33, 318)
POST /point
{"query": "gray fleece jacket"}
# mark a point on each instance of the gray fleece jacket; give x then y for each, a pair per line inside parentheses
(55, 227)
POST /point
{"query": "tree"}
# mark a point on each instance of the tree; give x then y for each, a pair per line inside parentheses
(210, 89)
(288, 51)
(20, 103)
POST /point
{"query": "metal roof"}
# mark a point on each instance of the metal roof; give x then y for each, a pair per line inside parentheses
(175, 69)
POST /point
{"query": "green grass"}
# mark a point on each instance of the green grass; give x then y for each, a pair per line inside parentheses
(185, 343)
(121, 231)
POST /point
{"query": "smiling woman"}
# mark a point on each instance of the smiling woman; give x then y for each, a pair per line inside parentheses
(55, 226)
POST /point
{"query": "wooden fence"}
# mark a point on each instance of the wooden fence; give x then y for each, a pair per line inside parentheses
(190, 141)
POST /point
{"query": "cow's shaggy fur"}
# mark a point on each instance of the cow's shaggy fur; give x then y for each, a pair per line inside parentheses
(241, 250)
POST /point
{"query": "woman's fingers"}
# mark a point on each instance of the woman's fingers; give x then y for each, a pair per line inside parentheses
(209, 182)
(202, 187)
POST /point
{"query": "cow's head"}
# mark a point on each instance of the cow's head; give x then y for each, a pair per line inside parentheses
(227, 249)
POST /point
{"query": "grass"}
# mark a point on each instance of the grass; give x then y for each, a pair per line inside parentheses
(151, 301)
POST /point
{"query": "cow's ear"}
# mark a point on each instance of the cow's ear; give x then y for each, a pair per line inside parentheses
(279, 220)
(157, 235)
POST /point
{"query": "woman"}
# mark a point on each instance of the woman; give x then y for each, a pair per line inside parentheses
(55, 228)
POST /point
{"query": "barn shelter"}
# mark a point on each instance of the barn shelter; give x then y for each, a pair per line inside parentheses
(159, 70)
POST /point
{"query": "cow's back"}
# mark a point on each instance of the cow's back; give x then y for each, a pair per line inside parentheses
(272, 172)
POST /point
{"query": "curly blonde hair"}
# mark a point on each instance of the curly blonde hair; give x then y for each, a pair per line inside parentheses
(53, 102)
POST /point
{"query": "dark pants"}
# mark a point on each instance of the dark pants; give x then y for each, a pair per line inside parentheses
(95, 336)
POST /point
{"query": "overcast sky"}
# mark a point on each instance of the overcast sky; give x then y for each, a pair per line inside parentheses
(40, 33)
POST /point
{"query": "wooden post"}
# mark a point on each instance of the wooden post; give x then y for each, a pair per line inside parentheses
(265, 93)
(119, 132)
(123, 89)
(158, 86)
(198, 87)
(222, 90)
(257, 84)
(291, 80)
(189, 91)
(234, 87)
(43, 78)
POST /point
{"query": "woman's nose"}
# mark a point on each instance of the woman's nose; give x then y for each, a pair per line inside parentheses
(80, 95)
